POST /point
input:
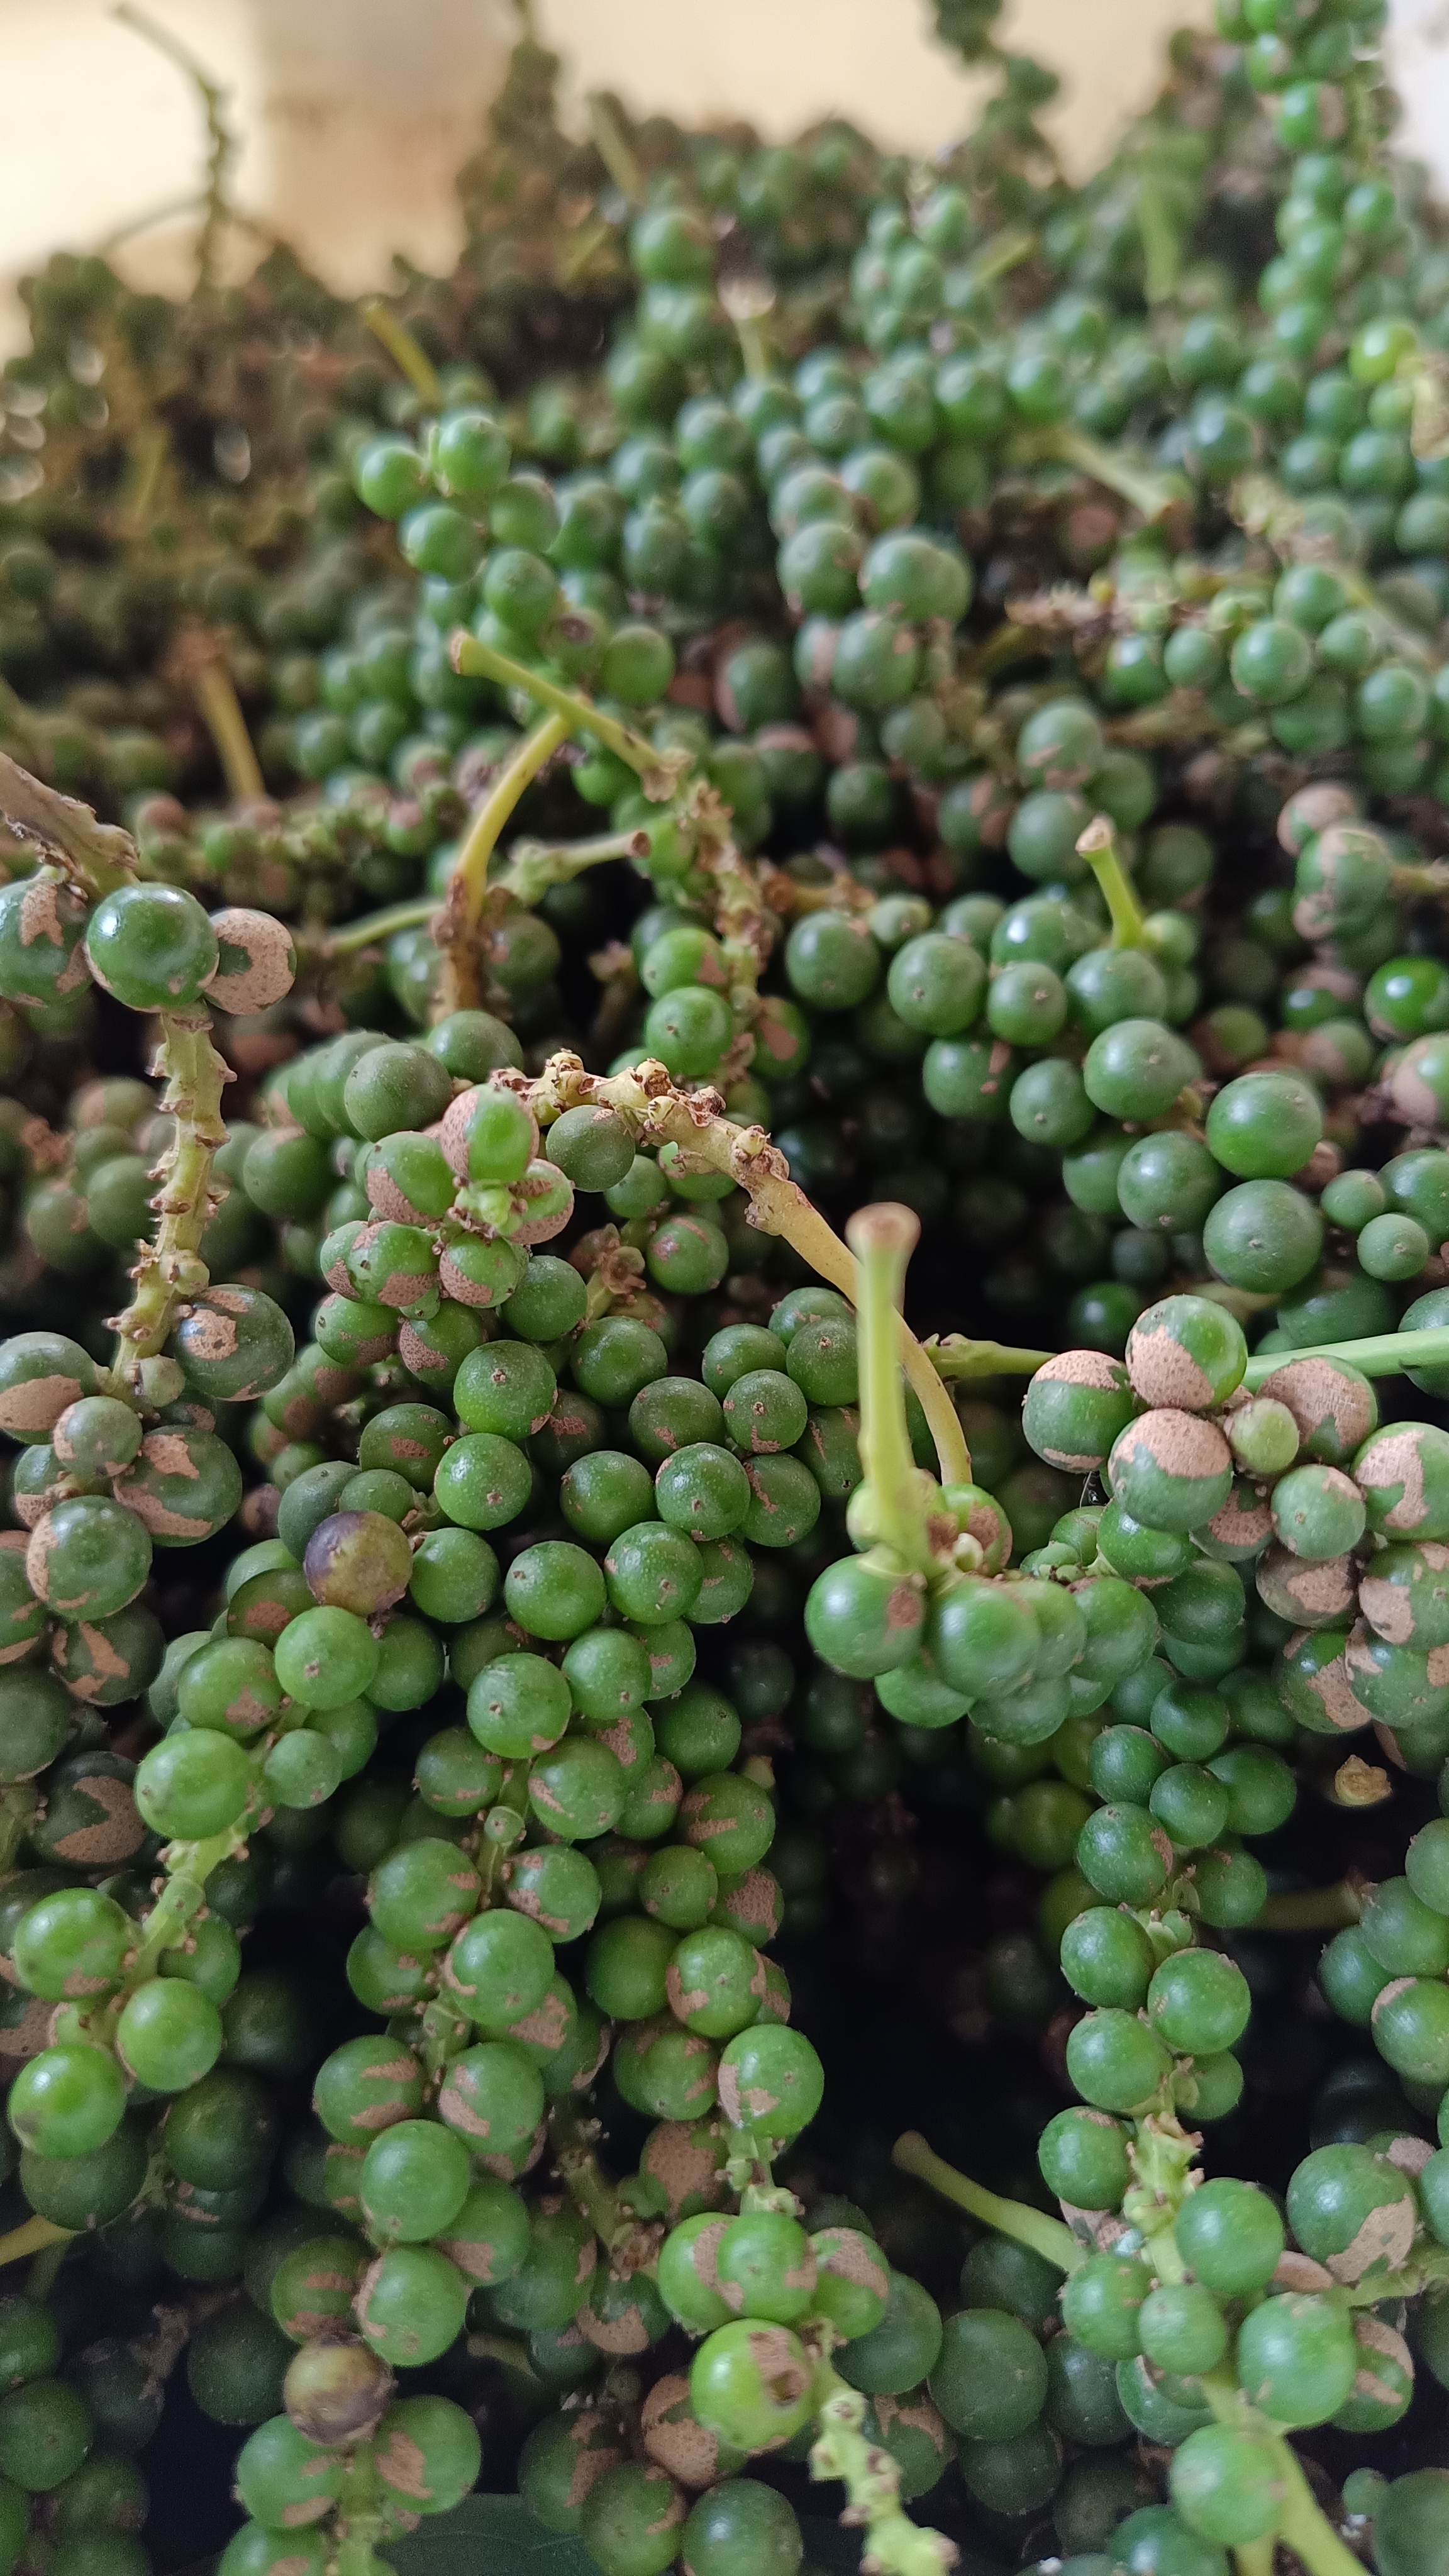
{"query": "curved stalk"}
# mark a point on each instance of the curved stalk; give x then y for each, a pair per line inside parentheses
(462, 911)
(614, 149)
(1098, 846)
(32, 2238)
(1049, 2237)
(659, 772)
(1378, 1355)
(954, 1357)
(371, 928)
(221, 713)
(404, 351)
(1152, 495)
(1310, 1909)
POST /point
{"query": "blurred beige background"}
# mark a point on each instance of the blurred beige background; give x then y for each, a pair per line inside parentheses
(354, 114)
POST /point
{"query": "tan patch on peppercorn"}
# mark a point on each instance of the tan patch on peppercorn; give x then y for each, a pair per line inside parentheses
(401, 2464)
(267, 961)
(389, 1202)
(211, 1327)
(1389, 1607)
(914, 2414)
(1313, 1595)
(114, 1835)
(1313, 809)
(1074, 1368)
(1181, 1444)
(508, 2168)
(104, 1664)
(1316, 1392)
(1406, 2155)
(1296, 2271)
(547, 2026)
(1163, 1372)
(756, 1902)
(1373, 2336)
(23, 2039)
(680, 2159)
(625, 2333)
(464, 1291)
(37, 1404)
(1385, 2237)
(166, 1454)
(674, 2438)
(1236, 1527)
(1333, 1689)
(849, 2256)
(1393, 1459)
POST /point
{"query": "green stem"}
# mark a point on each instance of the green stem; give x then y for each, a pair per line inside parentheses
(1431, 879)
(462, 913)
(658, 772)
(510, 2350)
(170, 1269)
(1161, 241)
(1306, 2529)
(535, 866)
(404, 350)
(1300, 2522)
(31, 2237)
(1151, 495)
(1310, 1909)
(503, 1828)
(17, 1814)
(954, 1357)
(1049, 2237)
(374, 927)
(614, 149)
(1431, 2266)
(1379, 1355)
(594, 2196)
(1254, 2557)
(1098, 846)
(359, 2521)
(883, 1238)
(1004, 252)
(227, 726)
(892, 2545)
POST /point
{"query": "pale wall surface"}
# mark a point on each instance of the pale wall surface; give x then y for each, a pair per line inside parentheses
(355, 113)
